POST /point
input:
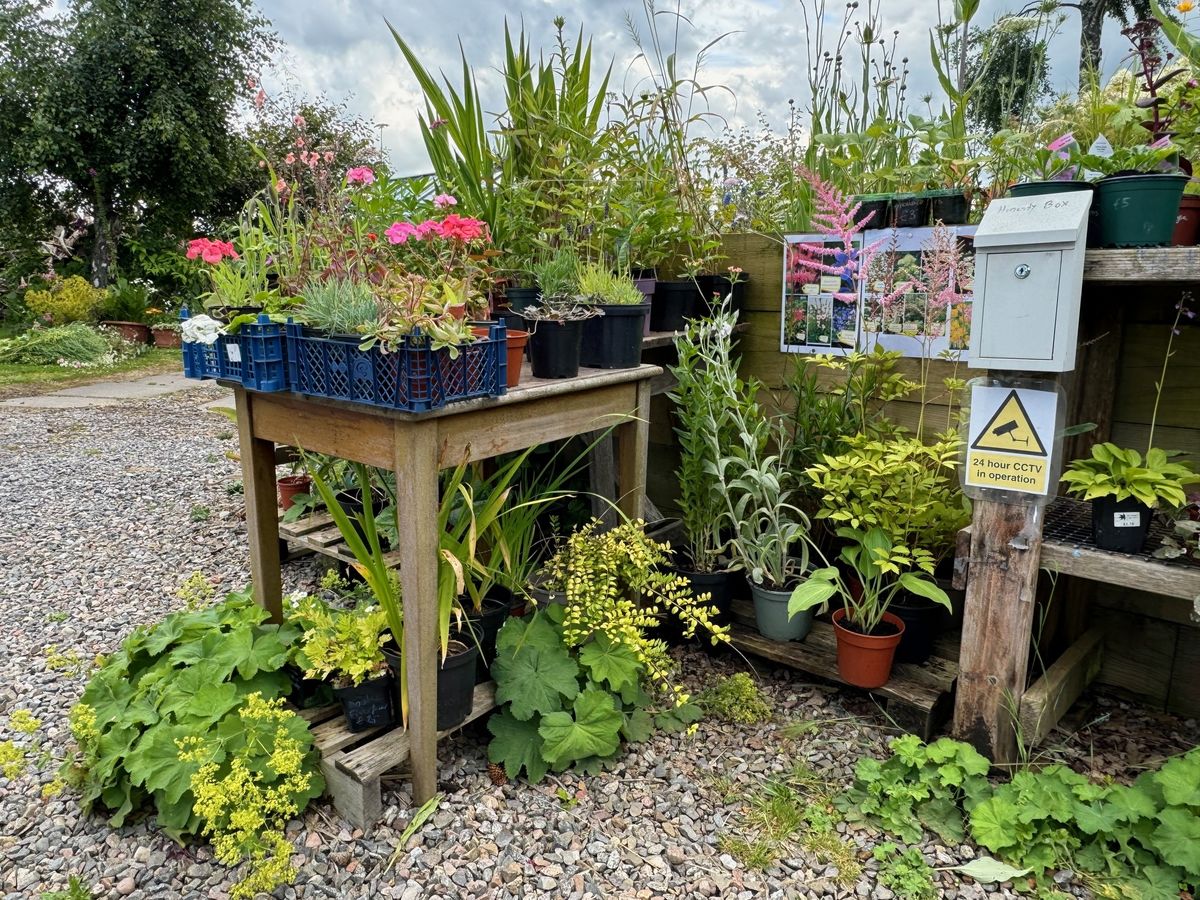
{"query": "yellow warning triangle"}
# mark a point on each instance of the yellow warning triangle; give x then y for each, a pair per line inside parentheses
(1010, 430)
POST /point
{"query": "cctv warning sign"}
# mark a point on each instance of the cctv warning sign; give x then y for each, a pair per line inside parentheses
(1009, 433)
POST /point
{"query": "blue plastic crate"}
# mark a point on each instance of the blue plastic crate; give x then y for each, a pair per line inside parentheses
(413, 378)
(256, 356)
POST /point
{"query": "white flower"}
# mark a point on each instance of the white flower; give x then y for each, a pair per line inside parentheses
(201, 330)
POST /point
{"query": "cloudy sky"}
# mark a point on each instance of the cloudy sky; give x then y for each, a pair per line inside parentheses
(342, 48)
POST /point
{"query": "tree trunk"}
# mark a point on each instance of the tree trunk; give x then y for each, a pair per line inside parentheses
(104, 249)
(1091, 27)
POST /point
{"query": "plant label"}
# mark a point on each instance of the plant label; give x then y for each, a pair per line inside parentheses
(234, 352)
(1010, 440)
(1127, 520)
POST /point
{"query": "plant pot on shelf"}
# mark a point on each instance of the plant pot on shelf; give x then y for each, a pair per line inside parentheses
(521, 297)
(1187, 222)
(542, 596)
(644, 281)
(289, 487)
(554, 348)
(873, 210)
(673, 304)
(1139, 210)
(922, 624)
(1120, 525)
(719, 587)
(368, 705)
(517, 339)
(307, 692)
(950, 206)
(910, 210)
(134, 332)
(865, 660)
(456, 684)
(614, 340)
(167, 338)
(483, 626)
(771, 615)
(1041, 188)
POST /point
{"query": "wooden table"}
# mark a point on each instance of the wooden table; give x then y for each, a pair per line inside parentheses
(416, 447)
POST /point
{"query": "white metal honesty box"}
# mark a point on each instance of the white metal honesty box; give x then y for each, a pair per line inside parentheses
(1028, 278)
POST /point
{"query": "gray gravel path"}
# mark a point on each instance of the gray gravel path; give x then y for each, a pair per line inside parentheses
(106, 511)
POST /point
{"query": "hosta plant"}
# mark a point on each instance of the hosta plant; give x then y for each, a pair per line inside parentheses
(1122, 473)
(345, 644)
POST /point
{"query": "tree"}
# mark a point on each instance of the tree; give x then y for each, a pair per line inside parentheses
(133, 113)
(1010, 58)
(1092, 14)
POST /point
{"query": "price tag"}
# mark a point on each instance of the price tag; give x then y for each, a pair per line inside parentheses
(1127, 520)
(234, 352)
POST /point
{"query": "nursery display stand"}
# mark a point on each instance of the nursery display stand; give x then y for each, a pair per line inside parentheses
(416, 446)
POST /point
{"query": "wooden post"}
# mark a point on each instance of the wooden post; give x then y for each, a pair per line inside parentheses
(602, 479)
(1006, 544)
(417, 494)
(262, 515)
(633, 439)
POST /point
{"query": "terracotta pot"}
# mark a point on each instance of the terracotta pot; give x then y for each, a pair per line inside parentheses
(167, 338)
(289, 487)
(865, 660)
(134, 332)
(1187, 222)
(459, 311)
(517, 340)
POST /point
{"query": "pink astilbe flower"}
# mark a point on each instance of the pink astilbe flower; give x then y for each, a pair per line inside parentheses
(945, 269)
(360, 175)
(441, 201)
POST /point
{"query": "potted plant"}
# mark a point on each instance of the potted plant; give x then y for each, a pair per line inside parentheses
(612, 340)
(347, 646)
(910, 205)
(867, 634)
(124, 309)
(706, 388)
(1139, 194)
(556, 336)
(291, 486)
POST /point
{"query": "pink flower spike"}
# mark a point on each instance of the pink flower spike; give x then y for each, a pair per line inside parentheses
(360, 175)
(260, 98)
(441, 201)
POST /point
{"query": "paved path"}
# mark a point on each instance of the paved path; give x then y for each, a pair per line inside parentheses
(110, 393)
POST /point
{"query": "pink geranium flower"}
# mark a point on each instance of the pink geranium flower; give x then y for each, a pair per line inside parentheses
(400, 232)
(299, 122)
(212, 252)
(459, 228)
(290, 159)
(441, 201)
(360, 175)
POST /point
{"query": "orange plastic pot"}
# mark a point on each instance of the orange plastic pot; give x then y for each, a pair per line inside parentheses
(517, 340)
(865, 660)
(290, 486)
(1187, 222)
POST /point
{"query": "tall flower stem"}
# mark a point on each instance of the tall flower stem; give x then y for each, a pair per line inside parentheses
(1181, 310)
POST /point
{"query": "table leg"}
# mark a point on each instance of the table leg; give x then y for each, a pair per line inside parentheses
(633, 441)
(417, 499)
(262, 515)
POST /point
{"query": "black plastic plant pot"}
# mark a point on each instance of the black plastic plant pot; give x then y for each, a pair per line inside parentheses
(736, 290)
(922, 624)
(873, 211)
(950, 208)
(542, 597)
(456, 684)
(554, 348)
(368, 705)
(306, 692)
(614, 340)
(719, 587)
(673, 305)
(484, 626)
(521, 297)
(910, 210)
(1120, 525)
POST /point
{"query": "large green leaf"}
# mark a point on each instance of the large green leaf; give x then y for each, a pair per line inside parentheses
(1179, 779)
(1177, 838)
(610, 662)
(517, 745)
(177, 699)
(535, 681)
(592, 729)
(941, 816)
(992, 823)
(154, 761)
(638, 726)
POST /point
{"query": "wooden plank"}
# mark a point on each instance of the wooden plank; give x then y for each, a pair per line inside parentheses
(602, 478)
(997, 622)
(1183, 611)
(314, 521)
(416, 469)
(1182, 697)
(1049, 698)
(1144, 264)
(632, 437)
(262, 514)
(317, 714)
(1181, 581)
(351, 432)
(962, 558)
(333, 735)
(359, 802)
(1139, 655)
(391, 749)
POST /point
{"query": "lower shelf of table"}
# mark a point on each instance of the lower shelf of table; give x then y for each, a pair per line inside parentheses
(353, 762)
(918, 698)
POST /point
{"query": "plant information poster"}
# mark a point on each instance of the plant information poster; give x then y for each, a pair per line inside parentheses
(824, 313)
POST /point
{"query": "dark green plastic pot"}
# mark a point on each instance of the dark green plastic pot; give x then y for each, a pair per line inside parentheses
(910, 210)
(1139, 210)
(873, 211)
(950, 206)
(771, 615)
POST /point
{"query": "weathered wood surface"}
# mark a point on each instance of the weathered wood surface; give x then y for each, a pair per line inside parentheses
(1179, 581)
(997, 623)
(262, 514)
(1143, 264)
(1049, 698)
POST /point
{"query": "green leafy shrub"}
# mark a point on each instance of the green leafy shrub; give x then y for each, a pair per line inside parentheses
(125, 301)
(570, 705)
(73, 299)
(175, 711)
(907, 874)
(346, 644)
(1122, 473)
(46, 346)
(737, 699)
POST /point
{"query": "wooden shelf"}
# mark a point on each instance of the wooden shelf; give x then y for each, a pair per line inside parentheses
(1145, 264)
(918, 698)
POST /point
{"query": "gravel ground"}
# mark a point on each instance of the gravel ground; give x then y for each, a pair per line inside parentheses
(107, 511)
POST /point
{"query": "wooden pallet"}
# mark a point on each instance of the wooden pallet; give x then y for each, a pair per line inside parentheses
(354, 762)
(918, 698)
(316, 533)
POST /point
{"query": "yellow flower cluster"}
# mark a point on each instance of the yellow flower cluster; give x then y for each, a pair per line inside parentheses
(12, 760)
(82, 720)
(197, 592)
(22, 720)
(243, 813)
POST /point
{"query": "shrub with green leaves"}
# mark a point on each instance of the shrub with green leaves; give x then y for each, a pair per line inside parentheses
(73, 299)
(736, 699)
(564, 706)
(176, 717)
